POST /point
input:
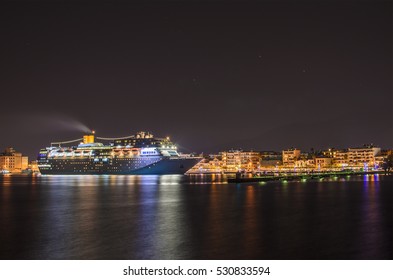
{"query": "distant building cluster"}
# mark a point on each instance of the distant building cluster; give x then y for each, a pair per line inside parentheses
(365, 157)
(368, 155)
(13, 161)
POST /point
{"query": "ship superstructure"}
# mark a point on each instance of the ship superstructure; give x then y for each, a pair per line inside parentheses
(137, 154)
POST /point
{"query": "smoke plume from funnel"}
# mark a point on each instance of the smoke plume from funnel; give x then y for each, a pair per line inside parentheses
(66, 123)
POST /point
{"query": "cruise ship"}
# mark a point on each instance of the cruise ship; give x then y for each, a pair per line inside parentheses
(137, 154)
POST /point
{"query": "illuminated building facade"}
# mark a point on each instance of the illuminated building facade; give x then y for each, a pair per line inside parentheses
(368, 154)
(290, 156)
(270, 159)
(383, 156)
(13, 161)
(234, 160)
(304, 163)
(363, 155)
(323, 162)
(331, 152)
(340, 158)
(231, 160)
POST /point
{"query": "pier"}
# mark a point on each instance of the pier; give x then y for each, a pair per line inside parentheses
(299, 177)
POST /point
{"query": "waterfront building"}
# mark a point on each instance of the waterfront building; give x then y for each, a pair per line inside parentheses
(340, 158)
(270, 159)
(233, 160)
(358, 157)
(250, 160)
(290, 156)
(304, 162)
(363, 155)
(323, 162)
(331, 152)
(13, 161)
(383, 157)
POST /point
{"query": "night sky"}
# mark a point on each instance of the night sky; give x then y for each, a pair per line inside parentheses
(211, 75)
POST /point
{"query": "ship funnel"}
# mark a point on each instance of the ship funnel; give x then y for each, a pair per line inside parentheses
(89, 138)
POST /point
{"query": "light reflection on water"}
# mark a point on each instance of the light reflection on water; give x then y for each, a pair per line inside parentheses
(105, 180)
(180, 217)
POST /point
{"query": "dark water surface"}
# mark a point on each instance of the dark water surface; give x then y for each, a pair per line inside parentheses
(178, 217)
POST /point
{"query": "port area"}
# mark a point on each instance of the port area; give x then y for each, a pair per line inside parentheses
(243, 178)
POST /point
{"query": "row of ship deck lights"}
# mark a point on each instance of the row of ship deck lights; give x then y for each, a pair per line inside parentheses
(168, 147)
(90, 139)
(163, 146)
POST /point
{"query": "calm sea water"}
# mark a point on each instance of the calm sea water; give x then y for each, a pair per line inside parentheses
(179, 217)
